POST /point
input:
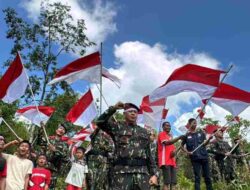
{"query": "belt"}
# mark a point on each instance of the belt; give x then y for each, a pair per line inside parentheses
(131, 162)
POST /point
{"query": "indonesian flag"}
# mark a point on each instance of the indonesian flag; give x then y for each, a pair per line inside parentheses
(164, 113)
(30, 113)
(113, 78)
(151, 112)
(201, 113)
(85, 68)
(82, 134)
(84, 111)
(189, 78)
(14, 82)
(231, 99)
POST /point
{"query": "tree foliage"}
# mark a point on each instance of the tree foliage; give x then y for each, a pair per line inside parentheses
(41, 43)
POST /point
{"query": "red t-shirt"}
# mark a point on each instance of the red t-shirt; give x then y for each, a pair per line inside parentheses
(164, 151)
(39, 178)
(4, 172)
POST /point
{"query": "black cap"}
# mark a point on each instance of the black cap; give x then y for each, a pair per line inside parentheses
(130, 105)
(64, 125)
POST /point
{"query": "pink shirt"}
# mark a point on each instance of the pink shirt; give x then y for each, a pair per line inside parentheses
(164, 151)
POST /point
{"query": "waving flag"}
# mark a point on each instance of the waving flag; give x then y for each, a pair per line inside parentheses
(14, 82)
(85, 68)
(189, 78)
(35, 117)
(113, 78)
(151, 112)
(84, 111)
(231, 99)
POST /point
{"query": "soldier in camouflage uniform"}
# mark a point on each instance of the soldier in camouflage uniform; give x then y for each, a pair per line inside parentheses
(56, 151)
(134, 166)
(98, 160)
(220, 149)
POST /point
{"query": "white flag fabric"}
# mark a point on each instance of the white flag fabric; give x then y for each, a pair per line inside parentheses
(84, 111)
(189, 78)
(14, 82)
(30, 113)
(231, 99)
(113, 78)
(86, 68)
(151, 113)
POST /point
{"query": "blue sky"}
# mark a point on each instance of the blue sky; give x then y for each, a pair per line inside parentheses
(215, 31)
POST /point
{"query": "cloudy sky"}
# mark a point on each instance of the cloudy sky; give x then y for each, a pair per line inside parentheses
(144, 41)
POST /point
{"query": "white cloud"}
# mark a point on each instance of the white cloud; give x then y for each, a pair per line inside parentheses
(143, 68)
(98, 16)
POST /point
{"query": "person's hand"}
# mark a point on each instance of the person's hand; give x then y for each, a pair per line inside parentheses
(182, 137)
(227, 154)
(16, 142)
(119, 105)
(42, 124)
(172, 154)
(153, 180)
(52, 147)
(189, 153)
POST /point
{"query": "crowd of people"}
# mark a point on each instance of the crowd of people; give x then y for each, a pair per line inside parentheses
(120, 156)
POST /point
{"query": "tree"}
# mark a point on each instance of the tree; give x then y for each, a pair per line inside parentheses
(39, 43)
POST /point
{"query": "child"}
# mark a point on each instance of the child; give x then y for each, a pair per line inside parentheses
(40, 177)
(76, 175)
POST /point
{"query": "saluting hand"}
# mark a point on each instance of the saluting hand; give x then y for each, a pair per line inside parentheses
(119, 105)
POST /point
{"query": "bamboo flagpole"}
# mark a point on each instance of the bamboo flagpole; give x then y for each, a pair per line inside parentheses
(33, 97)
(10, 128)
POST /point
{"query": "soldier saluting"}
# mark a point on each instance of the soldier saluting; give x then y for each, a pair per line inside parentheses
(134, 166)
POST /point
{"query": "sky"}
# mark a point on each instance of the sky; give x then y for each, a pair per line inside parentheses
(145, 41)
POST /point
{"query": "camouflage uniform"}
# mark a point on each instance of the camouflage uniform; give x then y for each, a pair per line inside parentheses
(133, 160)
(226, 167)
(98, 161)
(56, 158)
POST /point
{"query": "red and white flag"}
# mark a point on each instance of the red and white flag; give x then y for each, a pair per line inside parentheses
(151, 112)
(14, 82)
(85, 68)
(84, 111)
(35, 117)
(189, 78)
(231, 99)
(82, 135)
(113, 78)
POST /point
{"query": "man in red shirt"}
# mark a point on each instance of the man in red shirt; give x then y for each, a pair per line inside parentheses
(3, 164)
(166, 156)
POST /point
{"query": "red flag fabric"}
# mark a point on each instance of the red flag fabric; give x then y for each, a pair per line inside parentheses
(189, 78)
(14, 82)
(210, 129)
(231, 98)
(34, 116)
(164, 113)
(85, 68)
(201, 113)
(84, 111)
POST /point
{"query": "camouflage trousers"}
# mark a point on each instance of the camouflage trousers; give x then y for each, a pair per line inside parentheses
(130, 181)
(97, 176)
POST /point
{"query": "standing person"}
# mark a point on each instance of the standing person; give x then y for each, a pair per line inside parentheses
(76, 176)
(199, 158)
(166, 156)
(134, 166)
(3, 164)
(98, 160)
(19, 167)
(40, 177)
(57, 152)
(221, 149)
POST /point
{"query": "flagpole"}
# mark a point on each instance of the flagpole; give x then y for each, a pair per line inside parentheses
(11, 129)
(101, 81)
(204, 106)
(46, 135)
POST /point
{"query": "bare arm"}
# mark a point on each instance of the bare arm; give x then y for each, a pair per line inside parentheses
(3, 183)
(26, 181)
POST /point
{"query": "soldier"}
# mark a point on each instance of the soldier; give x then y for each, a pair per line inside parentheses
(220, 149)
(134, 166)
(56, 151)
(98, 160)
